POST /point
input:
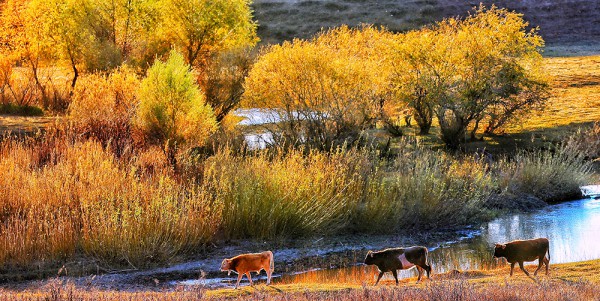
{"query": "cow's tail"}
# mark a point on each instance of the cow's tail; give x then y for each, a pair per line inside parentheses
(272, 261)
(548, 250)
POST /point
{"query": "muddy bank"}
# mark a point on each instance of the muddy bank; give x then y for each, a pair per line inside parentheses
(291, 256)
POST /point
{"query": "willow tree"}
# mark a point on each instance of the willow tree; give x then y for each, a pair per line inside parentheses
(64, 30)
(497, 71)
(327, 90)
(21, 38)
(172, 111)
(422, 72)
(198, 28)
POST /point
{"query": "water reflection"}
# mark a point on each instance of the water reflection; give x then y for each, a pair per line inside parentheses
(573, 230)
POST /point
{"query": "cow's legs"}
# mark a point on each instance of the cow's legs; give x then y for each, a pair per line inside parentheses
(523, 268)
(547, 262)
(250, 278)
(240, 275)
(420, 270)
(541, 261)
(379, 277)
(428, 269)
(269, 273)
(512, 267)
(395, 276)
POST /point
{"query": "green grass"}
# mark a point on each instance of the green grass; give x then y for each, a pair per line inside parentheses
(11, 109)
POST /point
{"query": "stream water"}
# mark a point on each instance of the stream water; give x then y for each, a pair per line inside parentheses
(573, 229)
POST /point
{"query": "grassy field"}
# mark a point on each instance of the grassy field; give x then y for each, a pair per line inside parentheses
(575, 96)
(572, 281)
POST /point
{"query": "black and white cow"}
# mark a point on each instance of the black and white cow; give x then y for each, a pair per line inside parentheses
(391, 260)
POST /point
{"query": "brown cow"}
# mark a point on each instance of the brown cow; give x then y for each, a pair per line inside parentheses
(390, 260)
(246, 263)
(525, 250)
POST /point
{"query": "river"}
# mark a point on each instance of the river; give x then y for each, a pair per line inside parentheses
(573, 229)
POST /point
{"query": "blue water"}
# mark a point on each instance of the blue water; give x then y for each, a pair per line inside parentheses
(573, 229)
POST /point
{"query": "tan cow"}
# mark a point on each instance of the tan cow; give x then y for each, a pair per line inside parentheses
(525, 250)
(246, 263)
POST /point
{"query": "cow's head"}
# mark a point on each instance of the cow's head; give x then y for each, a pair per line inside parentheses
(499, 250)
(369, 258)
(226, 266)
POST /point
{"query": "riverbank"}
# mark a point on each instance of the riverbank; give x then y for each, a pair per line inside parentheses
(571, 281)
(465, 283)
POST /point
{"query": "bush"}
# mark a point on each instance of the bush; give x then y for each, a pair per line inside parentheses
(172, 111)
(326, 90)
(11, 109)
(102, 108)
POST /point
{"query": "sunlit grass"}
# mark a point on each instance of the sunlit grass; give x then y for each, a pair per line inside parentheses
(575, 95)
(61, 199)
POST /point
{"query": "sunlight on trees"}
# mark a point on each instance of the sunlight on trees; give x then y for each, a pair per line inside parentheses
(328, 89)
(172, 111)
(198, 28)
(485, 68)
(498, 74)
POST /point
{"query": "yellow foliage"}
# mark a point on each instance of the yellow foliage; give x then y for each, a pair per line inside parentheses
(337, 80)
(105, 100)
(172, 108)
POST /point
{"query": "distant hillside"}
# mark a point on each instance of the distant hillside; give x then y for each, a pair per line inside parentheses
(560, 21)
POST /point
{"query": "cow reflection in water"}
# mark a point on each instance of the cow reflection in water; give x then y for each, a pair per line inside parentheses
(391, 260)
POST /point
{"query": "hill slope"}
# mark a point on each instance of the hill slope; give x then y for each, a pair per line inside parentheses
(560, 21)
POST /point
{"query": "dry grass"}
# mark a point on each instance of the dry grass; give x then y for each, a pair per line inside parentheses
(83, 201)
(62, 199)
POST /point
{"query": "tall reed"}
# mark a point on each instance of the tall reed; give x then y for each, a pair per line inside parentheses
(61, 198)
(552, 176)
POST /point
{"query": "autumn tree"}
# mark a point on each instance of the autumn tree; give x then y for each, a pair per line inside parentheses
(64, 30)
(21, 39)
(128, 29)
(172, 111)
(326, 90)
(497, 72)
(422, 72)
(199, 28)
(223, 79)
